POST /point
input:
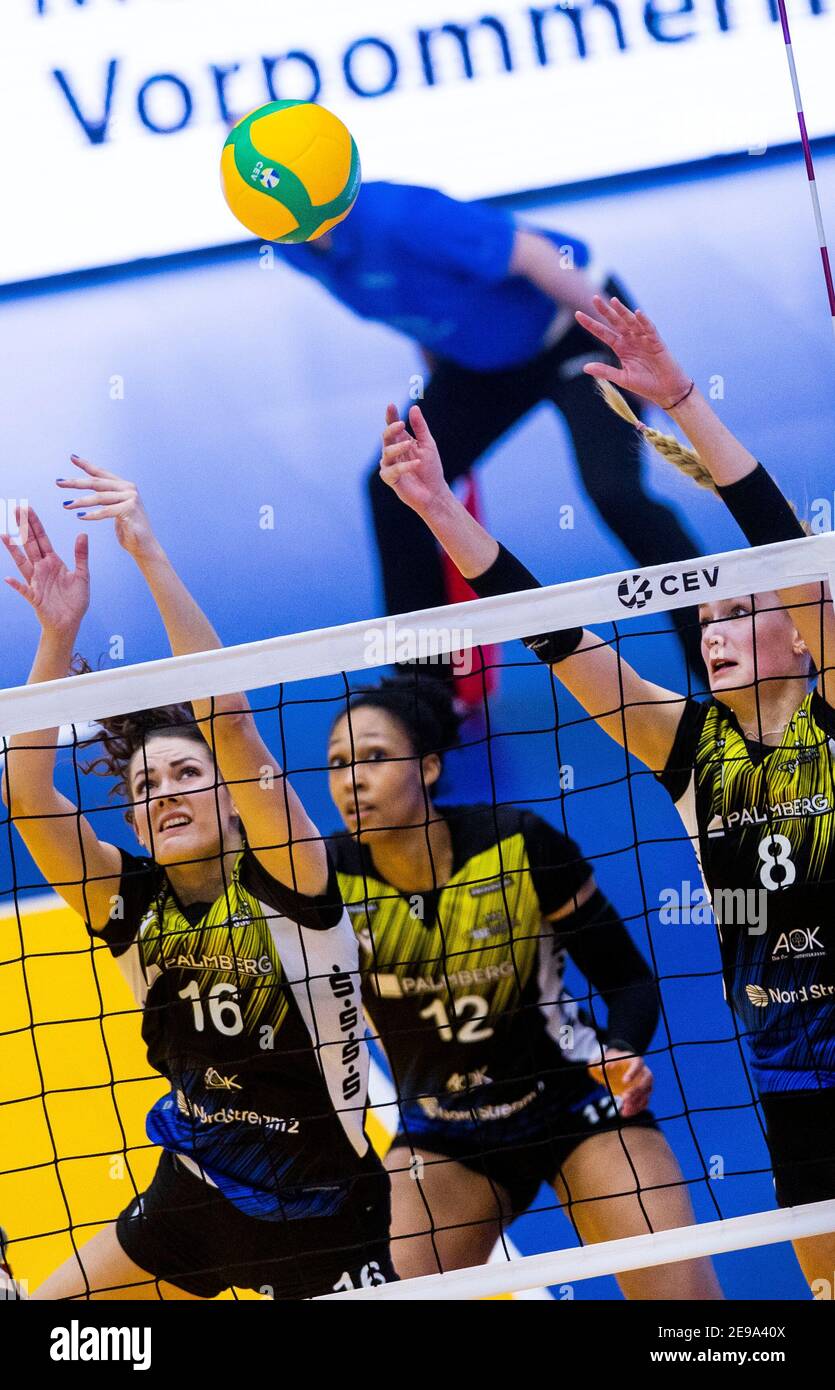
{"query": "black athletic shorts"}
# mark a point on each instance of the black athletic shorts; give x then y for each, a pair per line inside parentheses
(521, 1153)
(184, 1231)
(800, 1130)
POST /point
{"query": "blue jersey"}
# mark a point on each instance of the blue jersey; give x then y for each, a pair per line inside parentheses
(251, 1011)
(437, 270)
(763, 819)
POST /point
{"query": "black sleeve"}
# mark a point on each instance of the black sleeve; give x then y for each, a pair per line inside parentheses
(615, 968)
(507, 575)
(140, 880)
(558, 868)
(676, 774)
(319, 913)
(760, 510)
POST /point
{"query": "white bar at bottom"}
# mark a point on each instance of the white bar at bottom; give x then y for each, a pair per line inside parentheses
(611, 1256)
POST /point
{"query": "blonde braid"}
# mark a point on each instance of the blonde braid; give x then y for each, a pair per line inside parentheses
(687, 460)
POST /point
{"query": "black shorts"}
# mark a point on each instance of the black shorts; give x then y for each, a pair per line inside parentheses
(521, 1154)
(800, 1130)
(184, 1231)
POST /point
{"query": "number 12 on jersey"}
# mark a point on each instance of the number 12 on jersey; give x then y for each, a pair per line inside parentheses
(461, 1028)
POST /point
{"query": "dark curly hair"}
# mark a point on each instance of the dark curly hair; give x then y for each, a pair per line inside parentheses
(125, 734)
(421, 703)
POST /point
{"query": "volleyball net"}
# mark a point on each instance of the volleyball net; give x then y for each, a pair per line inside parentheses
(74, 1082)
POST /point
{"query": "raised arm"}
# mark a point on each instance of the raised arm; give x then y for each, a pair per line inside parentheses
(539, 260)
(633, 711)
(281, 835)
(84, 870)
(751, 495)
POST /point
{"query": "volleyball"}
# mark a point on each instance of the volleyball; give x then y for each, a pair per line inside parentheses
(290, 171)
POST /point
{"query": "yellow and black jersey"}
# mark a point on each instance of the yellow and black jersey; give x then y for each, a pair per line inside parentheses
(464, 985)
(761, 819)
(251, 1009)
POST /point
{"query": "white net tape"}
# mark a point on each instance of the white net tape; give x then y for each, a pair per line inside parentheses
(611, 1256)
(80, 701)
(328, 651)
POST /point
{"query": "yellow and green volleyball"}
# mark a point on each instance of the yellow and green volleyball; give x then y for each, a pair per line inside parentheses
(290, 171)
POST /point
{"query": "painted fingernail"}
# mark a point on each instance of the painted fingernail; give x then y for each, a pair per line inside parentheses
(81, 514)
(67, 504)
(60, 480)
(74, 458)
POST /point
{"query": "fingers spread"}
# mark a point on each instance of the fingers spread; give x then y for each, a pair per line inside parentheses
(597, 329)
(90, 468)
(21, 560)
(36, 543)
(22, 589)
(104, 484)
(605, 310)
(620, 310)
(102, 513)
(606, 373)
(95, 499)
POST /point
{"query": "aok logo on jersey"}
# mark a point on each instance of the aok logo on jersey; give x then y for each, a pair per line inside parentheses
(635, 591)
(803, 943)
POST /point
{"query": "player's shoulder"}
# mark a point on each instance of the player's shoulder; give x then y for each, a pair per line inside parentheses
(481, 825)
(689, 742)
(141, 881)
(346, 854)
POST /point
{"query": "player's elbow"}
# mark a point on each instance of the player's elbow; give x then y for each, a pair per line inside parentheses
(524, 251)
(533, 255)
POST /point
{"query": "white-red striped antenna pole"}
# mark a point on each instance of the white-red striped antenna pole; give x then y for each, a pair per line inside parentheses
(807, 155)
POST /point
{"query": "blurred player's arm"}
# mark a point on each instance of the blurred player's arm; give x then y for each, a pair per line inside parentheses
(635, 712)
(539, 260)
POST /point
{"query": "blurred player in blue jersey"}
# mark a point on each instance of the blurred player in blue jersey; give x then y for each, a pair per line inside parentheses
(491, 303)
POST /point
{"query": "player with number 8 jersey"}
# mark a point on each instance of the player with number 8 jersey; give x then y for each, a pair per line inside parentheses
(751, 770)
(762, 818)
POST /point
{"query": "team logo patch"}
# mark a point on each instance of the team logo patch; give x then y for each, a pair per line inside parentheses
(634, 592)
(213, 1081)
(798, 942)
(757, 996)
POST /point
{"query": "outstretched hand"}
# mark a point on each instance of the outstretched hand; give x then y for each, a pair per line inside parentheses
(106, 495)
(60, 596)
(410, 463)
(647, 366)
